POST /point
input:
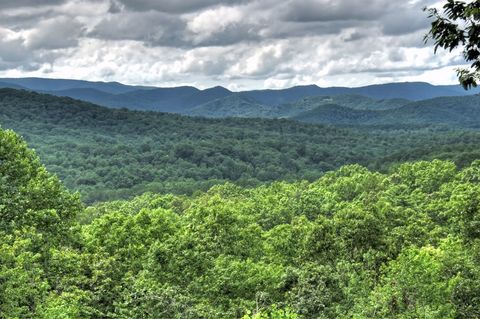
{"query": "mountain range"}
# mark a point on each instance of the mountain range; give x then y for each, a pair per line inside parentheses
(346, 109)
(454, 111)
(221, 102)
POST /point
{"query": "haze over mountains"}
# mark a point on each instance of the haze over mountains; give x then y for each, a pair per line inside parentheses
(376, 105)
(221, 102)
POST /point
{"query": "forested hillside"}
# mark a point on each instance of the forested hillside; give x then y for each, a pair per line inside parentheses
(184, 99)
(456, 112)
(241, 105)
(353, 110)
(115, 153)
(353, 244)
(236, 105)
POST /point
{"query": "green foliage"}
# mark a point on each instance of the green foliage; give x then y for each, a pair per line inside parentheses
(416, 284)
(108, 154)
(457, 26)
(352, 244)
(22, 287)
(29, 195)
(235, 105)
(37, 219)
(273, 313)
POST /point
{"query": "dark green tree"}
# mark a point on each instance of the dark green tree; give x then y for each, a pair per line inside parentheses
(457, 25)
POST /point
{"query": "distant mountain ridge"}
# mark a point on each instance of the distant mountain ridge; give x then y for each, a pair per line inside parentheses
(187, 99)
(448, 111)
(6, 85)
(45, 84)
(456, 112)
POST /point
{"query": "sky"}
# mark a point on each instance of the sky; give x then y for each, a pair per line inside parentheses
(239, 44)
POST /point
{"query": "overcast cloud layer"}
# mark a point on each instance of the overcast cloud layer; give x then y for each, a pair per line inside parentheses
(240, 44)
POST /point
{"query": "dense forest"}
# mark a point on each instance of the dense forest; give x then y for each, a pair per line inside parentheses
(455, 112)
(356, 110)
(352, 244)
(117, 153)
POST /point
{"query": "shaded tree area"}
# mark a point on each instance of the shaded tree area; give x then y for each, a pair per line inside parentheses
(110, 153)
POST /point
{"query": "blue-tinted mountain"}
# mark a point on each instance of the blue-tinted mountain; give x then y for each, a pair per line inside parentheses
(92, 95)
(456, 112)
(42, 84)
(205, 96)
(183, 99)
(411, 91)
(414, 91)
(277, 97)
(171, 100)
(6, 85)
(159, 99)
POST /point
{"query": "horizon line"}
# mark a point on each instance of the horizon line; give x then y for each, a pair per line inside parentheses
(225, 87)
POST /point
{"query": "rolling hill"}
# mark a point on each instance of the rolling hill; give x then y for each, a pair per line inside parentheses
(356, 110)
(172, 100)
(235, 105)
(338, 115)
(409, 90)
(456, 112)
(182, 100)
(7, 85)
(44, 84)
(110, 153)
(355, 102)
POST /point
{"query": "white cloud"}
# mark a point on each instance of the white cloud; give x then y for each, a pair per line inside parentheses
(261, 61)
(214, 20)
(236, 43)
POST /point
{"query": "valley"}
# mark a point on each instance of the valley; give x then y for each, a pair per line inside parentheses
(109, 154)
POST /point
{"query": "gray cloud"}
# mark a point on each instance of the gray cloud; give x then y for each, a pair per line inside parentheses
(398, 23)
(15, 54)
(24, 20)
(153, 28)
(59, 33)
(13, 51)
(5, 4)
(334, 10)
(256, 43)
(172, 6)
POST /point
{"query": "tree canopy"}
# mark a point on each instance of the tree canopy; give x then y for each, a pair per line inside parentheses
(108, 154)
(352, 244)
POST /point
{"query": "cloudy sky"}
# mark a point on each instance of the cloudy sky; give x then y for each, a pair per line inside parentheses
(240, 44)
